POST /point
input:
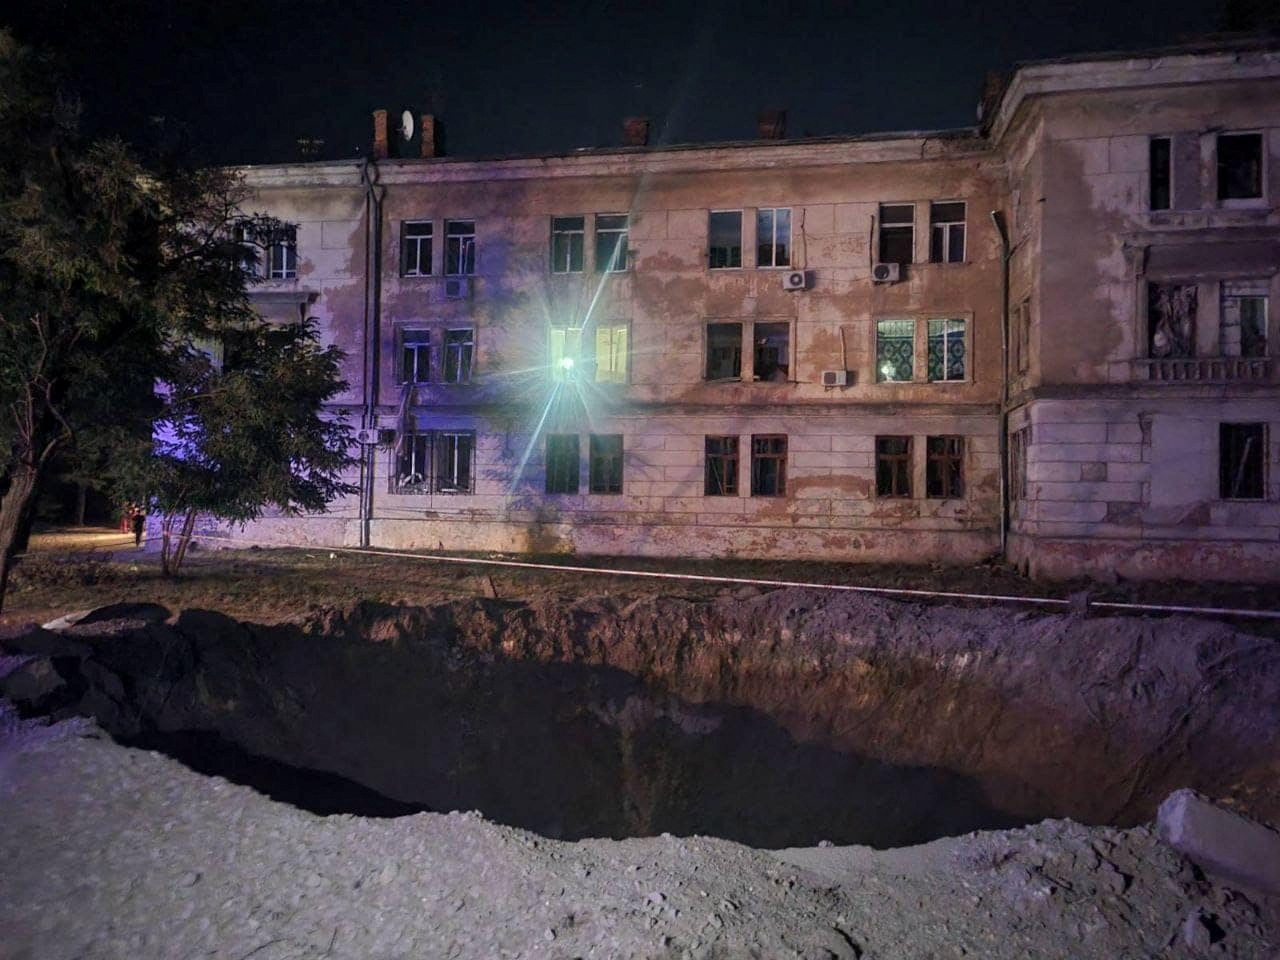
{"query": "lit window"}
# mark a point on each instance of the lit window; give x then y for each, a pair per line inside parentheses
(946, 232)
(562, 463)
(459, 348)
(724, 351)
(773, 237)
(611, 354)
(1239, 166)
(1242, 461)
(1160, 180)
(282, 254)
(565, 352)
(415, 356)
(1244, 319)
(459, 248)
(893, 467)
(768, 466)
(605, 454)
(895, 350)
(567, 237)
(897, 233)
(454, 453)
(611, 242)
(944, 467)
(946, 350)
(721, 474)
(415, 248)
(772, 343)
(724, 239)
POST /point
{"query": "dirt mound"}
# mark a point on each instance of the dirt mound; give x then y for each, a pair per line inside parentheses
(778, 719)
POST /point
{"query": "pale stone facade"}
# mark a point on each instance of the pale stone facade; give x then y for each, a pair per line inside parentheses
(1120, 465)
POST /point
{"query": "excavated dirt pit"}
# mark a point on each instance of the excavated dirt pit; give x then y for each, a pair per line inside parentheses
(777, 720)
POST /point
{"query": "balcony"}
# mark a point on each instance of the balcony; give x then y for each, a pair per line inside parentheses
(1204, 369)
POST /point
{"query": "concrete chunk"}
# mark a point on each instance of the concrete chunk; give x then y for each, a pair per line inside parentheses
(1221, 842)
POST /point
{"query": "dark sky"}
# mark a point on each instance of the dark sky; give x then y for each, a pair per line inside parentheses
(252, 76)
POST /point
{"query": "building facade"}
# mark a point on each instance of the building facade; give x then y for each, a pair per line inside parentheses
(1050, 336)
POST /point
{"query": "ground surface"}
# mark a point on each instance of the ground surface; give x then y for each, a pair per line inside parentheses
(108, 853)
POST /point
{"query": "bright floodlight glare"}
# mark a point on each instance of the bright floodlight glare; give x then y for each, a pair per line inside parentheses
(887, 371)
(567, 362)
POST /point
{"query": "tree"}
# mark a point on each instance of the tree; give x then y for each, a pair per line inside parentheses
(249, 432)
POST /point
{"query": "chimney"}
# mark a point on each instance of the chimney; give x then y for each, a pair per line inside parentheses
(432, 133)
(380, 135)
(635, 132)
(771, 124)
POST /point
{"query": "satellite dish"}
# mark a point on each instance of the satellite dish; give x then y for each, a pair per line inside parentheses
(406, 125)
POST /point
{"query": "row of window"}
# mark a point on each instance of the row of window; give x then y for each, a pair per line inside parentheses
(273, 255)
(1240, 166)
(1173, 319)
(447, 356)
(443, 462)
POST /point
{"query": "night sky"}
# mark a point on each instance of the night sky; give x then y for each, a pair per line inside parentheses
(250, 77)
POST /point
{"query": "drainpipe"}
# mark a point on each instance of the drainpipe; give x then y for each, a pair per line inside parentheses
(373, 195)
(998, 221)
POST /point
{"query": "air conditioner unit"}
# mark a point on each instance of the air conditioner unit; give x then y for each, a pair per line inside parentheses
(457, 288)
(835, 378)
(795, 280)
(367, 435)
(885, 272)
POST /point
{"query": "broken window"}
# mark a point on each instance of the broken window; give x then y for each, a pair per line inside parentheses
(566, 352)
(944, 467)
(1171, 320)
(897, 232)
(946, 232)
(459, 348)
(1244, 318)
(1160, 183)
(946, 350)
(1242, 461)
(768, 466)
(724, 239)
(415, 248)
(611, 242)
(567, 238)
(605, 453)
(893, 466)
(562, 463)
(415, 356)
(772, 351)
(459, 248)
(282, 253)
(724, 351)
(1239, 166)
(611, 353)
(773, 237)
(721, 479)
(453, 461)
(895, 347)
(413, 463)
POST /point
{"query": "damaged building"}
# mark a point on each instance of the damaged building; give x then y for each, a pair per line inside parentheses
(1050, 336)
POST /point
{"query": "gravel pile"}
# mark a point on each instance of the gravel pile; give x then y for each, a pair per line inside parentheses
(109, 852)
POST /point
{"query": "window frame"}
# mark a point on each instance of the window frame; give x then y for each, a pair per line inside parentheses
(902, 227)
(949, 487)
(286, 242)
(944, 253)
(416, 240)
(965, 340)
(904, 460)
(786, 368)
(409, 441)
(727, 266)
(880, 376)
(773, 240)
(465, 242)
(1263, 294)
(758, 457)
(405, 344)
(1224, 482)
(605, 468)
(706, 351)
(581, 236)
(620, 376)
(730, 455)
(466, 355)
(622, 244)
(438, 483)
(570, 469)
(1263, 171)
(570, 348)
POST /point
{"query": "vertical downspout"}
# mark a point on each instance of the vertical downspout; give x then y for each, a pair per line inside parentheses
(998, 221)
(372, 329)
